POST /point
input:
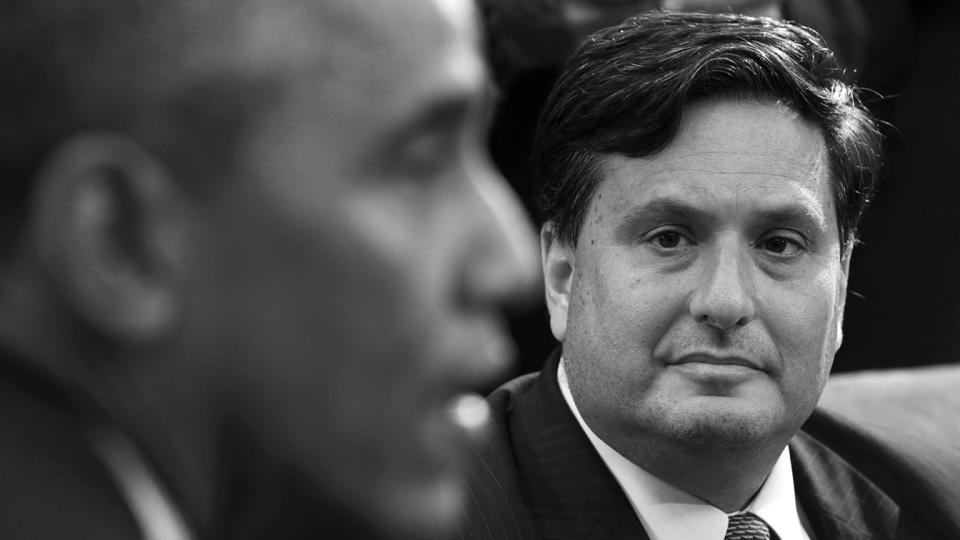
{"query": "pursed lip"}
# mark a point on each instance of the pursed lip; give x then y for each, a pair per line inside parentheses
(717, 360)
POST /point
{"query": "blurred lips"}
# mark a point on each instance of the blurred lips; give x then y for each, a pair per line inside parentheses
(475, 357)
(469, 411)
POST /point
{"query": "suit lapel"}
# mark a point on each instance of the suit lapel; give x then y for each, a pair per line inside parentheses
(572, 495)
(839, 502)
(570, 491)
(53, 483)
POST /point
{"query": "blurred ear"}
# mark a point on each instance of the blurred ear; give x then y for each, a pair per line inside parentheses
(558, 264)
(104, 228)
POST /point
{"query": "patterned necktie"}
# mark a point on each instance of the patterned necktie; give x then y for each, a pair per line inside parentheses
(746, 526)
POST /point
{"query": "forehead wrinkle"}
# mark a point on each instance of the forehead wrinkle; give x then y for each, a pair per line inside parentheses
(703, 162)
(686, 198)
(683, 200)
(736, 173)
(703, 126)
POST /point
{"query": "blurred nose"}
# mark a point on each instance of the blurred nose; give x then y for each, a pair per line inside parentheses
(725, 293)
(503, 266)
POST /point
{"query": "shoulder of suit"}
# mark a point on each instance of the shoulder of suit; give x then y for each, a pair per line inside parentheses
(492, 447)
(494, 505)
(921, 475)
(504, 398)
(852, 440)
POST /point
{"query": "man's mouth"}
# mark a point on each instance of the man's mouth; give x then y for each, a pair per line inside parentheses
(719, 360)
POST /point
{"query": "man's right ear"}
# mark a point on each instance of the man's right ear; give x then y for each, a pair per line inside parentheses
(105, 232)
(559, 261)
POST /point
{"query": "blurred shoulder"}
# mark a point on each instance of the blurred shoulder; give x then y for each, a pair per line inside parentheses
(919, 474)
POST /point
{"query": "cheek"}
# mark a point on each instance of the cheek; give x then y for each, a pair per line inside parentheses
(803, 327)
(620, 312)
(624, 293)
(331, 305)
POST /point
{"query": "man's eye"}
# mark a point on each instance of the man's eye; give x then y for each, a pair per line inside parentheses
(425, 157)
(781, 246)
(669, 239)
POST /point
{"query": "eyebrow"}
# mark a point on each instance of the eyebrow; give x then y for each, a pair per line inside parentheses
(446, 112)
(457, 100)
(669, 210)
(436, 114)
(661, 210)
(795, 213)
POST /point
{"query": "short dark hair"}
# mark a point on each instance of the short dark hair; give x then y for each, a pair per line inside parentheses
(623, 91)
(120, 66)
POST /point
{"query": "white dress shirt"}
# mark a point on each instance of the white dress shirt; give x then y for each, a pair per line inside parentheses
(151, 505)
(667, 513)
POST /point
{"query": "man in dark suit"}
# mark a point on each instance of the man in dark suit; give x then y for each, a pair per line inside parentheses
(703, 177)
(249, 253)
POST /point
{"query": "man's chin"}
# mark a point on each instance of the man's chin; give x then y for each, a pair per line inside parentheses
(718, 426)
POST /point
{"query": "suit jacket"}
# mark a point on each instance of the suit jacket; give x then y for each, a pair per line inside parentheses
(536, 475)
(54, 486)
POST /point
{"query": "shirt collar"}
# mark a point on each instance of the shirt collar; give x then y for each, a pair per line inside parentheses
(668, 513)
(151, 505)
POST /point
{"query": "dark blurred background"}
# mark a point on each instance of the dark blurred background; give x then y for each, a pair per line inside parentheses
(903, 308)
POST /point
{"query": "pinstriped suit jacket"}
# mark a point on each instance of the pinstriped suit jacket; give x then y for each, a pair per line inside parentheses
(536, 475)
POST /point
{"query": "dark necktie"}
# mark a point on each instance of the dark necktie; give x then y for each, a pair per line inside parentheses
(746, 526)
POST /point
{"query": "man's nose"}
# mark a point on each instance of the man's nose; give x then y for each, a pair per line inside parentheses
(504, 266)
(725, 293)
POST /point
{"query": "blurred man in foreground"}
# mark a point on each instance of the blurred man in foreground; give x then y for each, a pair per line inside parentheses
(703, 176)
(249, 249)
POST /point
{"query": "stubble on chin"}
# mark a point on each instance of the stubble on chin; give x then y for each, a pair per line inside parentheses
(719, 431)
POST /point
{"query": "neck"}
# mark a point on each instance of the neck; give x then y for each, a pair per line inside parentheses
(35, 327)
(107, 385)
(224, 481)
(233, 487)
(152, 394)
(172, 428)
(727, 479)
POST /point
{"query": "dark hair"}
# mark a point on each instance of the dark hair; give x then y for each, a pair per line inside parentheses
(624, 90)
(119, 66)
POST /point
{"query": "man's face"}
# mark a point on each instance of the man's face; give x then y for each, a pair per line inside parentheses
(354, 270)
(707, 288)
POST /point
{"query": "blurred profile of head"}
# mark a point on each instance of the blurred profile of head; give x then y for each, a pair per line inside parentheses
(275, 220)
